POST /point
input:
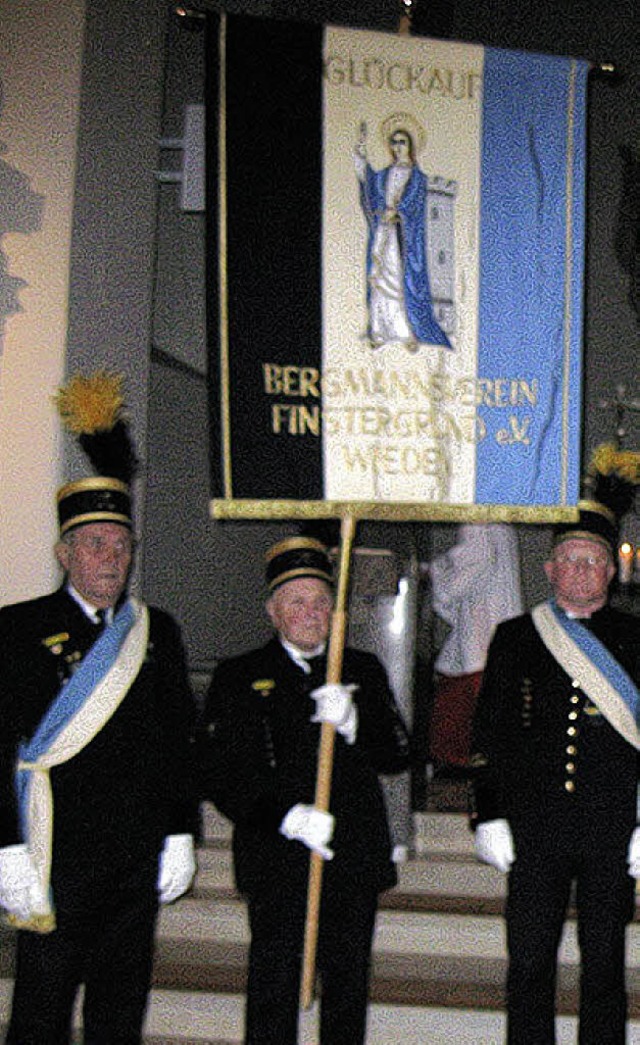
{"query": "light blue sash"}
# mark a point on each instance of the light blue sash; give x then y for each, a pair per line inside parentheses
(92, 668)
(585, 658)
(80, 710)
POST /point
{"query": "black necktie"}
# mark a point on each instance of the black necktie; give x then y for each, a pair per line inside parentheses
(318, 671)
(101, 620)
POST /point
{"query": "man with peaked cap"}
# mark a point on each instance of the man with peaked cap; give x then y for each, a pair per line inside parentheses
(555, 749)
(258, 747)
(96, 807)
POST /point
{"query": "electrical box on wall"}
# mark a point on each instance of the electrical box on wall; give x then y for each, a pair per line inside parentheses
(192, 173)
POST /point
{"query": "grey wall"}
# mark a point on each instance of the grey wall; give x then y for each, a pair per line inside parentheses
(209, 573)
(114, 221)
(138, 276)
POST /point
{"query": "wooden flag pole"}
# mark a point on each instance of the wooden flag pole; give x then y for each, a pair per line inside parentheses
(325, 761)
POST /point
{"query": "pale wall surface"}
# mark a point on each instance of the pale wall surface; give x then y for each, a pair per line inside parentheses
(40, 62)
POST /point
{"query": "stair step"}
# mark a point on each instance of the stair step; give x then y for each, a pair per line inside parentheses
(439, 924)
(154, 1040)
(194, 1018)
(433, 832)
(434, 872)
(426, 980)
(387, 1025)
(394, 900)
(438, 966)
(459, 891)
(397, 931)
(456, 961)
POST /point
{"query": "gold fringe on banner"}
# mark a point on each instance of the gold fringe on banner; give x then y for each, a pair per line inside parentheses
(241, 508)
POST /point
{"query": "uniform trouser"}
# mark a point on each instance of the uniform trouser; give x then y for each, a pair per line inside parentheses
(277, 918)
(539, 891)
(108, 948)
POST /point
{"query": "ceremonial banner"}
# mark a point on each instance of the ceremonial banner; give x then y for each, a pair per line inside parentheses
(395, 275)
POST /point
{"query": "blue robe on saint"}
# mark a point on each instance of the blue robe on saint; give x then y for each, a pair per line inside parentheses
(411, 229)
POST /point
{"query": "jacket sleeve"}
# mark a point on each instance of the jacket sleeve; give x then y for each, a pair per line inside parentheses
(178, 708)
(235, 766)
(380, 726)
(13, 663)
(487, 732)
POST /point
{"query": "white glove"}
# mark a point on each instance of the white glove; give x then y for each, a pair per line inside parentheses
(311, 826)
(20, 892)
(334, 704)
(494, 844)
(633, 854)
(177, 867)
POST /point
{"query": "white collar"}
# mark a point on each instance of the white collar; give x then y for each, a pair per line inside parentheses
(87, 608)
(301, 657)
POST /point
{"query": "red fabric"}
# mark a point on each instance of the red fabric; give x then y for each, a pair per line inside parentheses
(453, 707)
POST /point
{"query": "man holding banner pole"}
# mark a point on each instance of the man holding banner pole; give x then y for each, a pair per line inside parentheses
(258, 748)
(555, 752)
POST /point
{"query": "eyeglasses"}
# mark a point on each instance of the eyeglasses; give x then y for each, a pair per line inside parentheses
(591, 562)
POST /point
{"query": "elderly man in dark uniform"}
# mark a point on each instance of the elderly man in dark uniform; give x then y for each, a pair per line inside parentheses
(258, 755)
(97, 721)
(555, 746)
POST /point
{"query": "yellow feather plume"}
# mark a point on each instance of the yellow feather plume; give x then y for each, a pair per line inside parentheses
(607, 460)
(91, 403)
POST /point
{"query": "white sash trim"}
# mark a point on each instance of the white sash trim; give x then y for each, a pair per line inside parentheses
(589, 677)
(90, 718)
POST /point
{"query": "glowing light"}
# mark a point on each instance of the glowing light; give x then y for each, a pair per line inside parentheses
(398, 620)
(626, 555)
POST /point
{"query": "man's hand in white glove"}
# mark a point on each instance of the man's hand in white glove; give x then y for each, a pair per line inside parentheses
(334, 704)
(19, 886)
(494, 844)
(177, 867)
(633, 854)
(311, 826)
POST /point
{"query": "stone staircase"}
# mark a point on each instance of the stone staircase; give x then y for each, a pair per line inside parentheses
(439, 956)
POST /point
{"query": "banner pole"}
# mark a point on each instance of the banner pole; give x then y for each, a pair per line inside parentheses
(325, 760)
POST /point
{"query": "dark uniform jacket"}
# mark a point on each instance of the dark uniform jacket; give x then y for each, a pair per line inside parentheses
(543, 752)
(131, 785)
(258, 757)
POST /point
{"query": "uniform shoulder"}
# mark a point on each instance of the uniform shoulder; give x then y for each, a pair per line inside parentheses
(507, 629)
(21, 613)
(162, 618)
(241, 663)
(623, 620)
(362, 656)
(361, 662)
